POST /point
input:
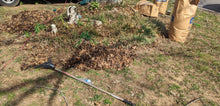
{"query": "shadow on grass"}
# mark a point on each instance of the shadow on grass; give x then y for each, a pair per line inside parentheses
(41, 81)
(160, 27)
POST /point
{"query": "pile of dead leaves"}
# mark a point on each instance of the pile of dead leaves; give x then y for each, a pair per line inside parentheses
(85, 57)
(26, 20)
(97, 57)
(35, 54)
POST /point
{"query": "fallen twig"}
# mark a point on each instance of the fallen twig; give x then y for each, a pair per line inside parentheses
(194, 100)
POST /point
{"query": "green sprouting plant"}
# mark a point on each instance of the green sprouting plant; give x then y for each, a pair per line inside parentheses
(78, 43)
(21, 3)
(61, 18)
(18, 60)
(107, 101)
(39, 27)
(140, 38)
(85, 35)
(106, 42)
(79, 23)
(93, 41)
(78, 103)
(27, 34)
(94, 5)
(11, 96)
(109, 7)
(174, 87)
(96, 98)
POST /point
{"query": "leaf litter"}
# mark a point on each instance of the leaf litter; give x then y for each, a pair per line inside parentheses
(26, 20)
(85, 57)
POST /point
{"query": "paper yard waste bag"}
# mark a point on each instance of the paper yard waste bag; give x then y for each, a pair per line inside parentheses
(161, 5)
(182, 19)
(147, 8)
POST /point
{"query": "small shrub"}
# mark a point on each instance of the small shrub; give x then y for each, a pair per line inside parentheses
(94, 5)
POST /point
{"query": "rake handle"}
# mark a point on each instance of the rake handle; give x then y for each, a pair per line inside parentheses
(123, 100)
(128, 102)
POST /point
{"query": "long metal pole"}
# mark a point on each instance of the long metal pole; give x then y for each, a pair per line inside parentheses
(69, 75)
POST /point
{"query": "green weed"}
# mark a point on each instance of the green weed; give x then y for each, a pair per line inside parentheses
(147, 60)
(125, 71)
(21, 3)
(195, 87)
(107, 101)
(109, 6)
(12, 72)
(79, 23)
(42, 91)
(136, 62)
(11, 96)
(101, 17)
(162, 58)
(94, 5)
(27, 34)
(94, 72)
(78, 103)
(153, 70)
(106, 41)
(39, 27)
(79, 43)
(174, 87)
(18, 60)
(86, 36)
(28, 80)
(107, 75)
(23, 89)
(203, 68)
(96, 98)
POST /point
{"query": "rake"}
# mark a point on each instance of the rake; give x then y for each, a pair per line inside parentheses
(49, 65)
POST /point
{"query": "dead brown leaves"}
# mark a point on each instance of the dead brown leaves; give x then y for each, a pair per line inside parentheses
(85, 57)
(26, 20)
(36, 54)
(98, 57)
